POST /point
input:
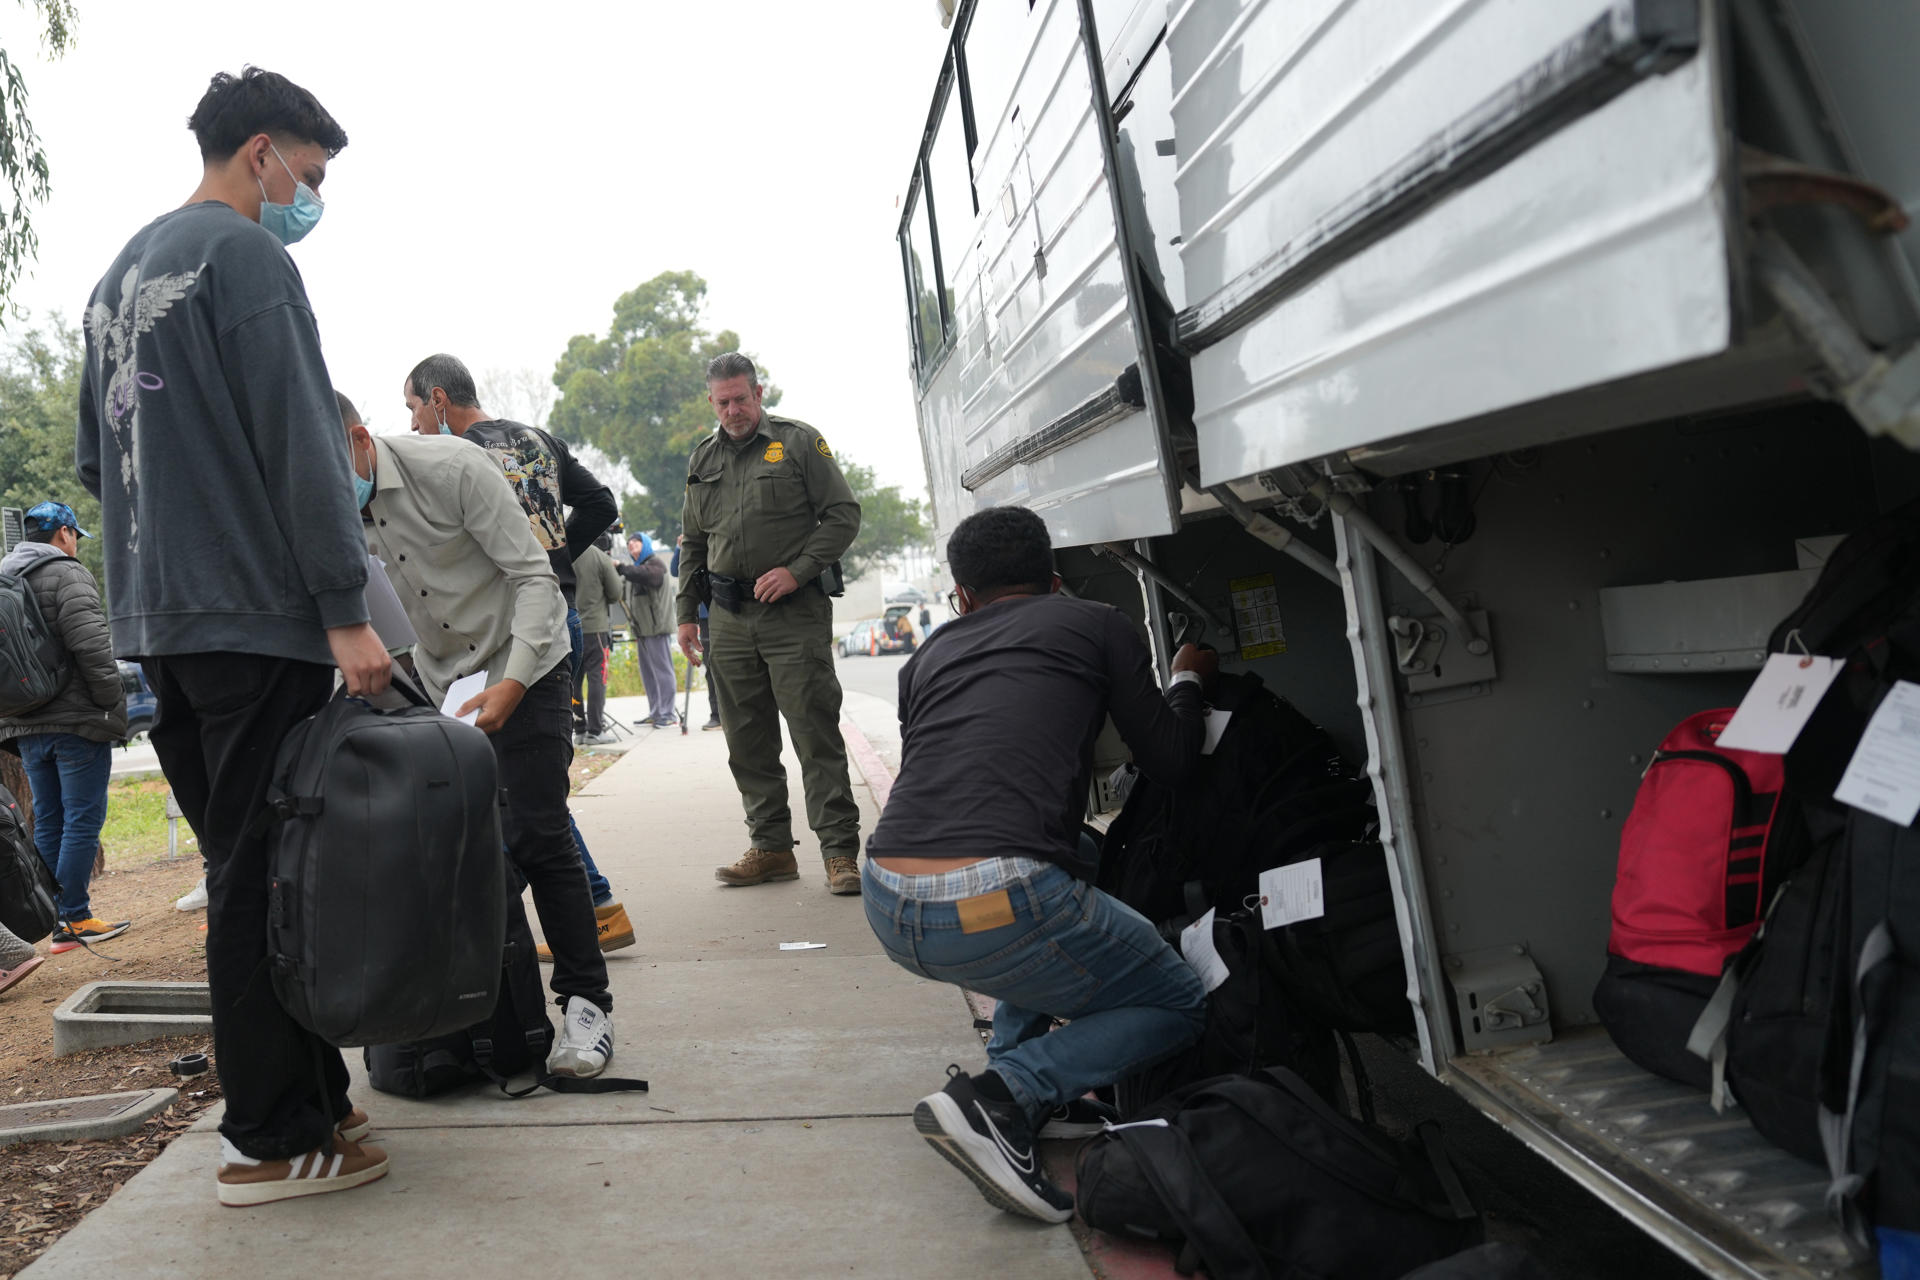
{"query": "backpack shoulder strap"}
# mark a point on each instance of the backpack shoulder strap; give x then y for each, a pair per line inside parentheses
(1170, 1166)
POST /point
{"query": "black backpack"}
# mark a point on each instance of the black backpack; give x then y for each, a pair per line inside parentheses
(33, 661)
(1275, 791)
(1257, 1177)
(28, 892)
(387, 875)
(512, 1041)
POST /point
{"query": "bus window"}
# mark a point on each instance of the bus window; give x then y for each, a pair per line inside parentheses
(953, 202)
(922, 302)
(996, 46)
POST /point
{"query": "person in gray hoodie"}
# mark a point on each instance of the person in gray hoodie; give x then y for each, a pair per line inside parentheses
(66, 745)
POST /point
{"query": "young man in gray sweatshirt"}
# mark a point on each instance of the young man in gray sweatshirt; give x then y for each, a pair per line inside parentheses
(236, 572)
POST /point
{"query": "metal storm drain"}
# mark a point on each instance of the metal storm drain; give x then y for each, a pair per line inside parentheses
(100, 1115)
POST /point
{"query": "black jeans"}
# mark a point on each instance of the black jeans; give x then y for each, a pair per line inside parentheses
(592, 668)
(217, 730)
(534, 748)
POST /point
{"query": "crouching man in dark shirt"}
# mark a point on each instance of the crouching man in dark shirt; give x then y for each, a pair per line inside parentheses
(975, 875)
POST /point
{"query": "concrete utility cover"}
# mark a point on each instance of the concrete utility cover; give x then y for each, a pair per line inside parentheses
(99, 1115)
(109, 1013)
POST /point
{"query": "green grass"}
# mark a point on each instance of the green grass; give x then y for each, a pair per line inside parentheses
(623, 673)
(136, 824)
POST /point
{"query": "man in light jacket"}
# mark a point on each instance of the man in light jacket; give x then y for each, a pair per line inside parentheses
(482, 597)
(66, 745)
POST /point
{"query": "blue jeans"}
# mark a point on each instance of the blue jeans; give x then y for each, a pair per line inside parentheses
(1071, 952)
(597, 884)
(68, 775)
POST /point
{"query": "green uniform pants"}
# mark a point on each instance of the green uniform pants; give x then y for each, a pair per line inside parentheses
(776, 660)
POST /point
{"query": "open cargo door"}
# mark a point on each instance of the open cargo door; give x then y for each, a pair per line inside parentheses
(1399, 214)
(1028, 324)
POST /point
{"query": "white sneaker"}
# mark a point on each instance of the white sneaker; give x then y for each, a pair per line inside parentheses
(586, 1041)
(604, 738)
(195, 899)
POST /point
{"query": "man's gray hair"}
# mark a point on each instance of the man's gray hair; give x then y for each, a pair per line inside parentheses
(447, 373)
(732, 365)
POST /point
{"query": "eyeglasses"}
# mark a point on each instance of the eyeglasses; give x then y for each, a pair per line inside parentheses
(953, 602)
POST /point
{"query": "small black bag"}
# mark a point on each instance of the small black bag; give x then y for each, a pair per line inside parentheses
(28, 891)
(1257, 1177)
(513, 1041)
(387, 875)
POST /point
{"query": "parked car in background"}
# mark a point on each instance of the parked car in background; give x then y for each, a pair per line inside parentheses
(858, 638)
(141, 703)
(895, 632)
(904, 593)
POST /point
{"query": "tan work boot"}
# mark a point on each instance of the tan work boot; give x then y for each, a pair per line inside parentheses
(610, 922)
(843, 877)
(758, 866)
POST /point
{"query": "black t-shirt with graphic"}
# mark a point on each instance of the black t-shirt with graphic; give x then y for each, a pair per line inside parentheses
(549, 481)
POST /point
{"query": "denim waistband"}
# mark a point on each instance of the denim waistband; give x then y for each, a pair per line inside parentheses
(969, 881)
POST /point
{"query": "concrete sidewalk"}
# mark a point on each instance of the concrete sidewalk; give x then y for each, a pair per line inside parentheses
(775, 1142)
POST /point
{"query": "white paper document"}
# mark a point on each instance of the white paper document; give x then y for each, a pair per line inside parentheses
(1883, 777)
(388, 615)
(459, 692)
(803, 946)
(1216, 725)
(1292, 893)
(1780, 703)
(1196, 944)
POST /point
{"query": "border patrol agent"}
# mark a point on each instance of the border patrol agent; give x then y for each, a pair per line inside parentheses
(767, 511)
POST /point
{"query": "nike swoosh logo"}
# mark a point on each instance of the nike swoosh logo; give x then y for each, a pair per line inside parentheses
(1021, 1160)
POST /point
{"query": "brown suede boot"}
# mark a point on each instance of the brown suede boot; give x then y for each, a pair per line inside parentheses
(758, 866)
(843, 877)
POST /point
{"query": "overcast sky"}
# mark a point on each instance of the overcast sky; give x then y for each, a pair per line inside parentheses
(515, 168)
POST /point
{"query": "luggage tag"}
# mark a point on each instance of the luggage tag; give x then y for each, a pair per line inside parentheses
(1883, 778)
(1290, 894)
(1196, 945)
(1781, 701)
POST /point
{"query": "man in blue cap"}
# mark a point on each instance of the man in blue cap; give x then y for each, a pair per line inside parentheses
(66, 744)
(650, 604)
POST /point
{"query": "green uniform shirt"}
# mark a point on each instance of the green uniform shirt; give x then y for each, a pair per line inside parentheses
(776, 499)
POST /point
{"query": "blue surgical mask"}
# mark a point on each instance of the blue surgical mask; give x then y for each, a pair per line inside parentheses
(362, 489)
(445, 430)
(289, 223)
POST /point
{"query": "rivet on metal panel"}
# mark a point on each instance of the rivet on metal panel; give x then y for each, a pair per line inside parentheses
(1454, 962)
(1719, 659)
(1656, 664)
(1453, 928)
(1634, 758)
(1446, 893)
(1586, 704)
(1426, 775)
(1421, 743)
(1441, 860)
(1605, 554)
(1606, 813)
(1686, 662)
(1519, 950)
(1415, 700)
(1573, 606)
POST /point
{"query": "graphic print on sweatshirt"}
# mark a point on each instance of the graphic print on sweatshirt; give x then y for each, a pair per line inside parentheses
(142, 304)
(534, 474)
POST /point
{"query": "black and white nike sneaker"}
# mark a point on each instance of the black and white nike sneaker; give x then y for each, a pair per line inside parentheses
(992, 1143)
(1081, 1118)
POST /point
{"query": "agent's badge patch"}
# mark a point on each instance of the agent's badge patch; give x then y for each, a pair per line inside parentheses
(820, 443)
(776, 452)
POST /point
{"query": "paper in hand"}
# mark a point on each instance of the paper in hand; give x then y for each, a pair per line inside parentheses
(459, 693)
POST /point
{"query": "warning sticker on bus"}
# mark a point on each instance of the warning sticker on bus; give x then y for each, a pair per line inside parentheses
(1256, 617)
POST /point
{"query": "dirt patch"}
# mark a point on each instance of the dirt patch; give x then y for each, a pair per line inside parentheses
(46, 1188)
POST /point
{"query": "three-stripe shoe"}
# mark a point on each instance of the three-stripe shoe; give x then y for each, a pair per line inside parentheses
(992, 1143)
(245, 1181)
(585, 1045)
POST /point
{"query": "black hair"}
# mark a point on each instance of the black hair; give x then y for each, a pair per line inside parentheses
(235, 108)
(1001, 547)
(604, 542)
(38, 532)
(349, 416)
(447, 373)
